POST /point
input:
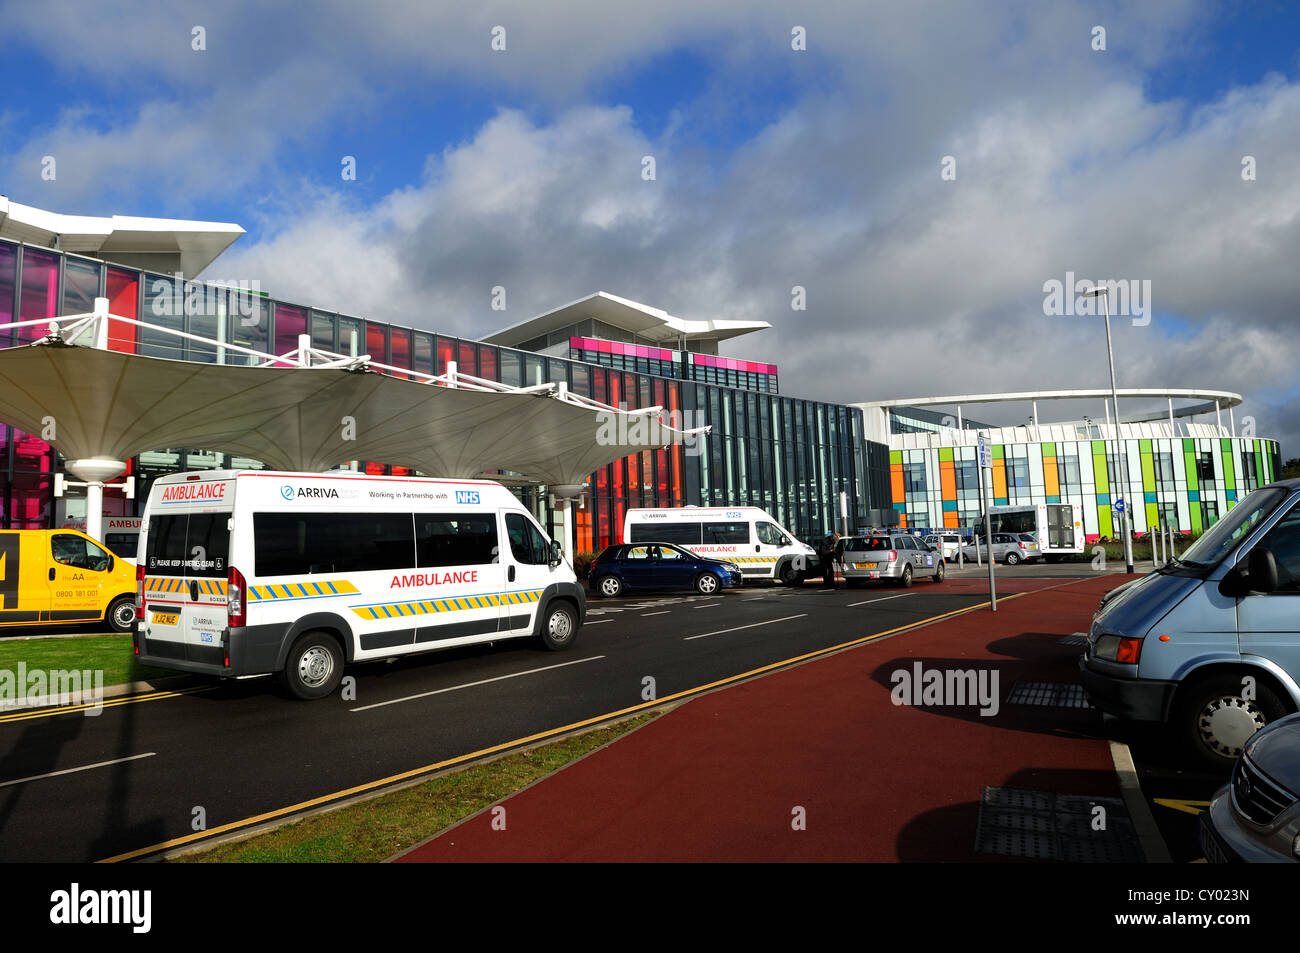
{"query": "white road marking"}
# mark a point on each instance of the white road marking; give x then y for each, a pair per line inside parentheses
(665, 612)
(881, 599)
(84, 767)
(485, 681)
(739, 627)
(596, 621)
(711, 605)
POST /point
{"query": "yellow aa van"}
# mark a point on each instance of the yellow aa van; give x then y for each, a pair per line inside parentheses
(57, 576)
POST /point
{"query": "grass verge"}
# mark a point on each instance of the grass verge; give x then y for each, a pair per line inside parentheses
(112, 654)
(378, 828)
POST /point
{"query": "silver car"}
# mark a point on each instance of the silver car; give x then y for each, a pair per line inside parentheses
(1033, 552)
(1007, 548)
(1256, 817)
(898, 558)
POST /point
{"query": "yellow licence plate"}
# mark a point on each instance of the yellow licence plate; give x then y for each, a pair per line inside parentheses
(864, 565)
(166, 618)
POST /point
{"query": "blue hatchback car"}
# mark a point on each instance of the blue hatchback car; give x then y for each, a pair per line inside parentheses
(659, 566)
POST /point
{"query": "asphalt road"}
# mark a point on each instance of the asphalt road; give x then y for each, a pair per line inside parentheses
(152, 772)
(238, 750)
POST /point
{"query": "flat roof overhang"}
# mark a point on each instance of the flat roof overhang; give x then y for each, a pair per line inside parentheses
(1225, 399)
(194, 244)
(650, 324)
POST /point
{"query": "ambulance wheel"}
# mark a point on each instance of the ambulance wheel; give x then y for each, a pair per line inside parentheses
(787, 575)
(314, 667)
(121, 613)
(560, 626)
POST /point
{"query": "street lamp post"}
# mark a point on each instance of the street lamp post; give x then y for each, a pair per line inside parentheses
(1120, 457)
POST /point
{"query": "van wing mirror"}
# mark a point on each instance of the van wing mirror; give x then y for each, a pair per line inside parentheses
(1261, 570)
(557, 554)
(1257, 573)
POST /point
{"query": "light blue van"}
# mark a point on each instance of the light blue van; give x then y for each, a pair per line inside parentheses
(1211, 643)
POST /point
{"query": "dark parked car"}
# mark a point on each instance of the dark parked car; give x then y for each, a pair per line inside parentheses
(659, 566)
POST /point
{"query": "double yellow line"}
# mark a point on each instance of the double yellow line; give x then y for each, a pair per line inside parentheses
(50, 712)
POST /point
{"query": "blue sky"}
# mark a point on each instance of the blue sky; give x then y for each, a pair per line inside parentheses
(775, 169)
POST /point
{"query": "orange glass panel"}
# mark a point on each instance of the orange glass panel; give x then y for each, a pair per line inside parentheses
(1051, 479)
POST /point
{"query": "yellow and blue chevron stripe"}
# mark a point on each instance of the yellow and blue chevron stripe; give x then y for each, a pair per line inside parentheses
(750, 560)
(156, 585)
(393, 610)
(301, 590)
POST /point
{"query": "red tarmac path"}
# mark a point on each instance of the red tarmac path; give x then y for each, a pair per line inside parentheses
(721, 777)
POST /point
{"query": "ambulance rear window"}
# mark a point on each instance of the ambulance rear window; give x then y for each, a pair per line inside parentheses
(184, 544)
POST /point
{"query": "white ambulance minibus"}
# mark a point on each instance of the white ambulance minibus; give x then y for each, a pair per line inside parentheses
(746, 535)
(256, 572)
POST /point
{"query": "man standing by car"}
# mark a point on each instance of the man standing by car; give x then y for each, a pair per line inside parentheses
(828, 547)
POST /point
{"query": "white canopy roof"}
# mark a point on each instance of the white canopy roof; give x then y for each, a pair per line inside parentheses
(110, 404)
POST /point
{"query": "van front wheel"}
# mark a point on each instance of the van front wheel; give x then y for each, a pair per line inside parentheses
(560, 626)
(314, 667)
(121, 613)
(1216, 718)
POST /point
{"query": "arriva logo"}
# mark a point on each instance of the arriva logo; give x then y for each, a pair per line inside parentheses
(309, 492)
(467, 496)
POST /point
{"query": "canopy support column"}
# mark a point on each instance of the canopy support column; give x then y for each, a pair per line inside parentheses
(565, 494)
(95, 470)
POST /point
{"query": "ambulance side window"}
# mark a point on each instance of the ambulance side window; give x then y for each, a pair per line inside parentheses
(455, 539)
(526, 543)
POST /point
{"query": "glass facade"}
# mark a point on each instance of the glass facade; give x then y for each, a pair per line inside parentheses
(684, 365)
(792, 457)
(1183, 482)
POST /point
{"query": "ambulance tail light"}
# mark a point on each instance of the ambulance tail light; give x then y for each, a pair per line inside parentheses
(235, 603)
(139, 592)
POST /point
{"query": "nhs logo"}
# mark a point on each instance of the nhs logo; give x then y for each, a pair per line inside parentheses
(467, 496)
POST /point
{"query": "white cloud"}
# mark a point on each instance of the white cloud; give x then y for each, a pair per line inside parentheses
(1063, 163)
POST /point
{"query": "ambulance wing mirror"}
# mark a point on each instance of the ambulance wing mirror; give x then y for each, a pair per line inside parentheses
(557, 555)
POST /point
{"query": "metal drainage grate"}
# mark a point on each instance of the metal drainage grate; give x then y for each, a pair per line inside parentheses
(1058, 827)
(1048, 695)
(1076, 639)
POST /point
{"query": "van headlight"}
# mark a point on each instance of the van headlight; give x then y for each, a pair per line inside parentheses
(1118, 648)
